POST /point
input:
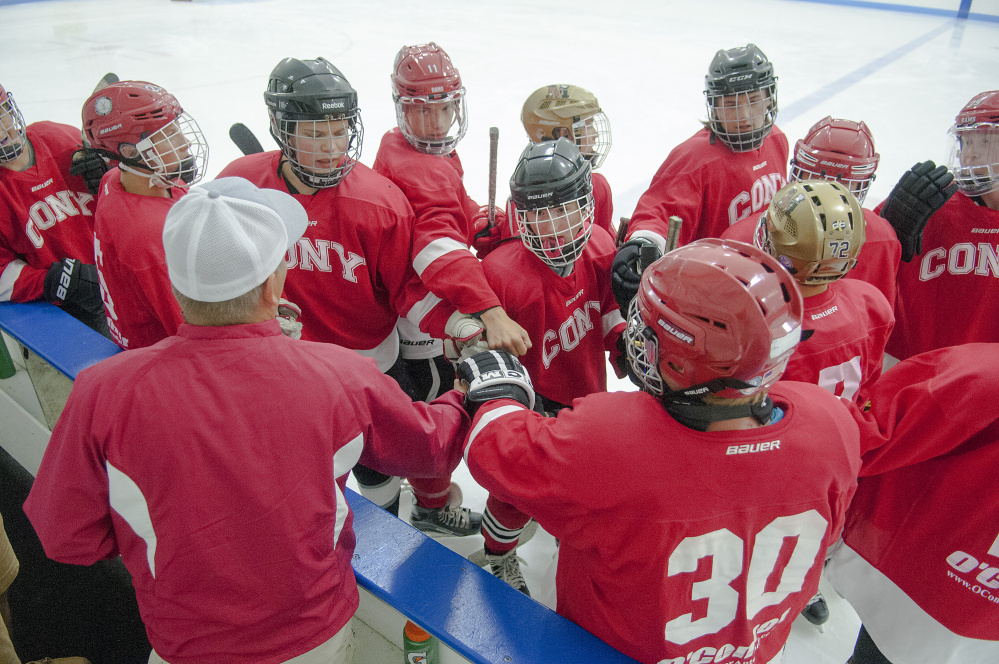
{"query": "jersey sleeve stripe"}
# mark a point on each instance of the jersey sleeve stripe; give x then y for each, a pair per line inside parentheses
(611, 320)
(485, 420)
(435, 250)
(9, 277)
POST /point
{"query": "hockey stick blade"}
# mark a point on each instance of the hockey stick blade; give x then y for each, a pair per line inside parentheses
(244, 139)
(493, 143)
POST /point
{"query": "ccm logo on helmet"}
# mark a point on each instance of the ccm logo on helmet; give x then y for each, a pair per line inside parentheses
(329, 105)
(741, 77)
(685, 337)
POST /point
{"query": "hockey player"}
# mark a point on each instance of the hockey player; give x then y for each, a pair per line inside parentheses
(681, 565)
(816, 230)
(46, 229)
(160, 151)
(571, 112)
(180, 457)
(729, 170)
(557, 282)
(350, 273)
(940, 295)
(920, 556)
(843, 151)
(419, 157)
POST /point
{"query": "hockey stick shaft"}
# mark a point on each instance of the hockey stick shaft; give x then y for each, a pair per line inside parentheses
(673, 233)
(493, 144)
(244, 139)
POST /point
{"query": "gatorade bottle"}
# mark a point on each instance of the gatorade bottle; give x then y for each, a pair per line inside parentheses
(419, 647)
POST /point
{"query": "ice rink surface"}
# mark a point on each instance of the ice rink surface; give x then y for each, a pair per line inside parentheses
(906, 74)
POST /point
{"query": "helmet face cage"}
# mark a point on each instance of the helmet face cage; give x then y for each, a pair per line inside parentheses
(642, 346)
(740, 90)
(741, 120)
(433, 124)
(820, 225)
(592, 136)
(176, 153)
(974, 157)
(857, 179)
(321, 151)
(12, 127)
(557, 234)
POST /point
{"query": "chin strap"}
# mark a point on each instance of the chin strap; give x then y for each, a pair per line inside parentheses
(687, 406)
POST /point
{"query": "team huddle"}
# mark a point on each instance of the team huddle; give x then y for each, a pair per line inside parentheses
(397, 326)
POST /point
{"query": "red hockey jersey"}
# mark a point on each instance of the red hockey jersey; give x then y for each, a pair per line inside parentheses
(920, 560)
(131, 264)
(46, 214)
(710, 544)
(443, 229)
(179, 457)
(851, 322)
(710, 187)
(573, 320)
(350, 273)
(943, 294)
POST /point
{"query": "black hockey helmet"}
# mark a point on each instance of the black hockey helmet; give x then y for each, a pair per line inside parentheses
(552, 193)
(313, 91)
(550, 173)
(741, 71)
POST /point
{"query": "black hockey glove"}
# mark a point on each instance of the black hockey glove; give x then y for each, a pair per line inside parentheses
(920, 192)
(495, 374)
(90, 165)
(626, 270)
(71, 282)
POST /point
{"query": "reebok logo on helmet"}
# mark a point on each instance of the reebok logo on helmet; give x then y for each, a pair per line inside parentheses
(330, 105)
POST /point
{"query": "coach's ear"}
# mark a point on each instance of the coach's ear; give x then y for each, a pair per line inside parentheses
(273, 287)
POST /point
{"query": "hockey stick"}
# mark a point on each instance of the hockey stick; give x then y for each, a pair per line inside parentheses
(649, 254)
(244, 139)
(493, 143)
(673, 233)
(622, 231)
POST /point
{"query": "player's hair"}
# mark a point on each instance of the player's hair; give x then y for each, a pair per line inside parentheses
(751, 400)
(236, 311)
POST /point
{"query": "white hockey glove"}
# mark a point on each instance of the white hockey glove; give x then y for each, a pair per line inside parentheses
(464, 336)
(495, 374)
(287, 317)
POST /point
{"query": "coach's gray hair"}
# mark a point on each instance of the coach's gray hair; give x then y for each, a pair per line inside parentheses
(216, 314)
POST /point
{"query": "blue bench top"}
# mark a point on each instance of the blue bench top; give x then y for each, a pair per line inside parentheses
(466, 607)
(55, 336)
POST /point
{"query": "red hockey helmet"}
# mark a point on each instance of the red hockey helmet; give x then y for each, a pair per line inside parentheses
(839, 150)
(167, 141)
(713, 313)
(975, 145)
(426, 86)
(11, 127)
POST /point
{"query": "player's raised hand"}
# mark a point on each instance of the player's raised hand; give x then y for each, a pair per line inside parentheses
(91, 166)
(503, 333)
(920, 192)
(626, 270)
